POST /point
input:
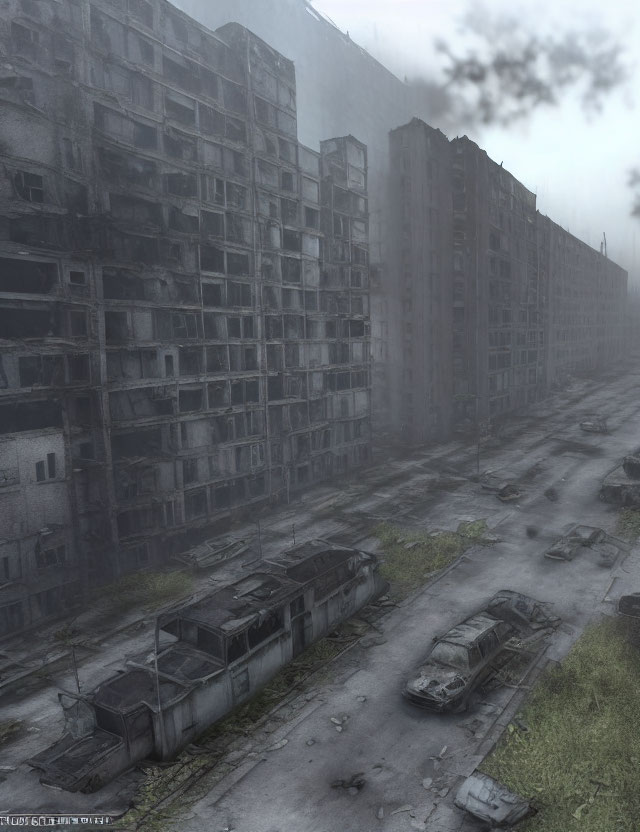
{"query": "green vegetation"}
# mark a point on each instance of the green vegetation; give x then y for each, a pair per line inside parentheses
(148, 589)
(411, 557)
(629, 523)
(578, 760)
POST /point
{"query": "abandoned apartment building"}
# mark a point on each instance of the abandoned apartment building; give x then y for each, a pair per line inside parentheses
(185, 288)
(495, 303)
(183, 292)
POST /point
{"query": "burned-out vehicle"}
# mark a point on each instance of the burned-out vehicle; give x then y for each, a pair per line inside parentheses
(217, 652)
(468, 654)
(594, 424)
(579, 538)
(622, 485)
(629, 605)
(490, 801)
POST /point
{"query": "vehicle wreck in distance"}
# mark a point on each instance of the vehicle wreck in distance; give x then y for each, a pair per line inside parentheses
(622, 485)
(466, 656)
(218, 652)
(580, 537)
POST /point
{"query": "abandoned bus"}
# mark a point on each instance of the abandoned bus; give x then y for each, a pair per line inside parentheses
(215, 653)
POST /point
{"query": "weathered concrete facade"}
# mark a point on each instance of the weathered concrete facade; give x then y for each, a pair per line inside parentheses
(587, 304)
(168, 334)
(494, 303)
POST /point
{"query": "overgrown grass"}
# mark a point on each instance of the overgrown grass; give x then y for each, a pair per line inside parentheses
(407, 566)
(628, 524)
(148, 589)
(579, 760)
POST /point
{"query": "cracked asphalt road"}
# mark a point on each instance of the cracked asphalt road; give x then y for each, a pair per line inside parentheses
(393, 744)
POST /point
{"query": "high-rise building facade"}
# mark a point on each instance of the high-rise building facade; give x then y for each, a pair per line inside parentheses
(171, 350)
(493, 302)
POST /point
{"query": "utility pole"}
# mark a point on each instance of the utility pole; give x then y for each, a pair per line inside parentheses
(259, 539)
(163, 739)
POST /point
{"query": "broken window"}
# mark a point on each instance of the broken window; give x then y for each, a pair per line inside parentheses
(195, 504)
(184, 325)
(181, 184)
(182, 221)
(29, 186)
(78, 324)
(236, 196)
(212, 294)
(289, 211)
(190, 361)
(238, 228)
(27, 276)
(50, 557)
(234, 162)
(190, 400)
(235, 129)
(291, 270)
(145, 135)
(217, 359)
(212, 224)
(212, 122)
(237, 263)
(180, 146)
(311, 217)
(262, 630)
(218, 394)
(24, 40)
(211, 259)
(116, 326)
(288, 181)
(237, 644)
(238, 294)
(180, 108)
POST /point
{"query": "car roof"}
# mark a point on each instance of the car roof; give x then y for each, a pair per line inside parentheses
(470, 630)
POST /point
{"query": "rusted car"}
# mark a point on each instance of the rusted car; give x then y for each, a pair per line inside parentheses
(629, 605)
(490, 801)
(594, 424)
(579, 537)
(468, 654)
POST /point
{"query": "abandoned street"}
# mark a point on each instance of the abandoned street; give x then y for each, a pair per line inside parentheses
(270, 785)
(392, 745)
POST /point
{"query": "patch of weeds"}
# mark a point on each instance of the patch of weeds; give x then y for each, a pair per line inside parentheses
(579, 759)
(411, 557)
(628, 524)
(148, 589)
(10, 729)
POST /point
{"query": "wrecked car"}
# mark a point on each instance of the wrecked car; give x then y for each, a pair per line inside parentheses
(622, 485)
(579, 537)
(462, 659)
(629, 605)
(503, 487)
(594, 424)
(490, 801)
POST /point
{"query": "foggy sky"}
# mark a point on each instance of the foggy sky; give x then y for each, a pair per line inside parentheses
(577, 163)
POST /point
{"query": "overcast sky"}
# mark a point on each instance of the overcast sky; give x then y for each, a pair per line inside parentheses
(577, 163)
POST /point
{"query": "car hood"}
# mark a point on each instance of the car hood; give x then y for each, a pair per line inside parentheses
(437, 681)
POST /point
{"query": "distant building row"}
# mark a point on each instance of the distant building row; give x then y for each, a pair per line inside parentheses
(489, 303)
